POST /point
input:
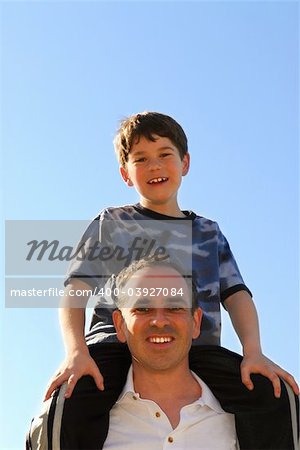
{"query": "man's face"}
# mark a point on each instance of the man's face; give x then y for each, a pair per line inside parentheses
(158, 324)
(155, 169)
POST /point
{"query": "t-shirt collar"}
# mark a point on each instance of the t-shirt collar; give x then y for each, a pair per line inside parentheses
(190, 215)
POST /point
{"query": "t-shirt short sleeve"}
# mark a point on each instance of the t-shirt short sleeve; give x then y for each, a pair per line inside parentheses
(231, 280)
(86, 266)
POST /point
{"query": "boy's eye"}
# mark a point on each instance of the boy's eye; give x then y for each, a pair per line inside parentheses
(139, 160)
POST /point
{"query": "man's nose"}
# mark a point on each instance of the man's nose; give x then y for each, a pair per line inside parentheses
(159, 318)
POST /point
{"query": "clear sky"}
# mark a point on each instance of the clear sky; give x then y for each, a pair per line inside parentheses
(227, 71)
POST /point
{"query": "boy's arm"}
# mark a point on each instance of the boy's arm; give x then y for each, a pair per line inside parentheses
(242, 311)
(78, 361)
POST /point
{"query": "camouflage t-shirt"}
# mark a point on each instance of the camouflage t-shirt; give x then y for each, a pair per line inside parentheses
(119, 235)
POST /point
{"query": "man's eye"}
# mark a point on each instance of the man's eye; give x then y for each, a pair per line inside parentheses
(142, 310)
(176, 309)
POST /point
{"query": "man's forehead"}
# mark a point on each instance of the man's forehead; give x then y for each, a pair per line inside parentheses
(157, 287)
(167, 301)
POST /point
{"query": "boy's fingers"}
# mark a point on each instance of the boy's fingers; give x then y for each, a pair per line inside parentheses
(276, 383)
(98, 378)
(48, 393)
(72, 380)
(93, 371)
(267, 373)
(249, 385)
(246, 380)
(271, 371)
(54, 385)
(275, 378)
(290, 380)
(70, 385)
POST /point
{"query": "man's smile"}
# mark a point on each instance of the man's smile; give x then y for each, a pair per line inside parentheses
(160, 339)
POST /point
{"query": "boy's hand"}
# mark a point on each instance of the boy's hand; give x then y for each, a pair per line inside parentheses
(258, 363)
(73, 368)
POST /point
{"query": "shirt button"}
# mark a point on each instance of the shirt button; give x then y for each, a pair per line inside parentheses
(157, 414)
(170, 439)
(134, 397)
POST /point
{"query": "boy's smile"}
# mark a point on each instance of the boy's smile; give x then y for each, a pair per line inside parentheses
(155, 169)
(158, 180)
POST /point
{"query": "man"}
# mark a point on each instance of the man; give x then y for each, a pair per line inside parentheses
(163, 404)
(165, 401)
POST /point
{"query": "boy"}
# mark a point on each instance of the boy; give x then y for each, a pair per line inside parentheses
(153, 156)
(140, 137)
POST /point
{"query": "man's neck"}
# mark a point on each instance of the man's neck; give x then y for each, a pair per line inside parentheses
(170, 390)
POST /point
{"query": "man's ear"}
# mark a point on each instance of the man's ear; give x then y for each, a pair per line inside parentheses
(119, 324)
(197, 317)
(185, 164)
(124, 175)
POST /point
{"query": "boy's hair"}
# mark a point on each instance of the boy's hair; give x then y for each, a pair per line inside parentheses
(148, 124)
(128, 272)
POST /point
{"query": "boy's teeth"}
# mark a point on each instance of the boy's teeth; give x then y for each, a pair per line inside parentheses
(160, 340)
(157, 180)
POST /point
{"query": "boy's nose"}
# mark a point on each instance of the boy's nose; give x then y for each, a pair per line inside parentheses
(154, 163)
(159, 318)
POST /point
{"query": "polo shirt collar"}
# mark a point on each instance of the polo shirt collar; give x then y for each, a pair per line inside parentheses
(129, 387)
(206, 399)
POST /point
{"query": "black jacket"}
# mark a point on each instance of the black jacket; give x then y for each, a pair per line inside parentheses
(81, 422)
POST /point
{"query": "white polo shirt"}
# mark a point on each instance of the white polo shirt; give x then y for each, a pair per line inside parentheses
(139, 424)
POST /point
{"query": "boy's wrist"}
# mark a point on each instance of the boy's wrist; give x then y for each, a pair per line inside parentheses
(251, 346)
(78, 349)
(252, 350)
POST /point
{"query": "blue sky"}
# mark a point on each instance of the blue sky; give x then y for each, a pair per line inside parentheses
(227, 71)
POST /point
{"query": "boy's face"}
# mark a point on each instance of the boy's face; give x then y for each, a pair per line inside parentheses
(155, 169)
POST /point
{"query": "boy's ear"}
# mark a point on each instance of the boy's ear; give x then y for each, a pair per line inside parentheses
(124, 175)
(185, 164)
(119, 324)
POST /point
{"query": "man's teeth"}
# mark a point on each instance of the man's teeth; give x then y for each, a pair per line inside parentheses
(158, 180)
(160, 340)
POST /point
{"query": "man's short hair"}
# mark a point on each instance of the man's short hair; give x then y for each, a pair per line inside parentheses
(148, 124)
(128, 272)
